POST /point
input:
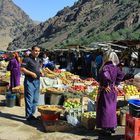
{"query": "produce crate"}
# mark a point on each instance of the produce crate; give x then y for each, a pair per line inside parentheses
(88, 123)
(131, 97)
(75, 112)
(132, 128)
(57, 126)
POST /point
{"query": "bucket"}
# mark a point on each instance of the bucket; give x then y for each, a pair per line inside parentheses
(56, 99)
(48, 117)
(10, 100)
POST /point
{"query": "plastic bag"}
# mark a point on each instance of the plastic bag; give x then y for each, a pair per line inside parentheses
(72, 120)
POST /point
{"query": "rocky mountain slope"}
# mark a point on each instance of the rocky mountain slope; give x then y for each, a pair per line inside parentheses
(13, 21)
(83, 23)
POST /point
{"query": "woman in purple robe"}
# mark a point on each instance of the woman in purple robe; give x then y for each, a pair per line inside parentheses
(110, 76)
(14, 68)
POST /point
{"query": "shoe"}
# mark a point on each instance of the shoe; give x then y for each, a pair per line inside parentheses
(112, 130)
(31, 118)
(106, 132)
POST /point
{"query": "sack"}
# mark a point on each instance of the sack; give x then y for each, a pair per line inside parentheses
(137, 77)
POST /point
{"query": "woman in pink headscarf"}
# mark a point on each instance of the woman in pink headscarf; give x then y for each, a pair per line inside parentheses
(14, 68)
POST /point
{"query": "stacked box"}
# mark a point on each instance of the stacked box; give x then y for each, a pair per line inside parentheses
(57, 126)
(132, 128)
(88, 123)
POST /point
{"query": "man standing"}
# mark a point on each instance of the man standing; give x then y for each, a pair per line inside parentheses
(31, 68)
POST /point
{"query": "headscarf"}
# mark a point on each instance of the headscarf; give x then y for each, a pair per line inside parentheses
(16, 55)
(111, 56)
(114, 58)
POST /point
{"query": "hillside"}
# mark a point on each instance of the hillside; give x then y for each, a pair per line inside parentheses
(83, 23)
(13, 21)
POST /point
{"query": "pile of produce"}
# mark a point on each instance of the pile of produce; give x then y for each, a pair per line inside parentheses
(89, 115)
(130, 90)
(120, 92)
(93, 95)
(50, 74)
(54, 90)
(71, 104)
(50, 109)
(92, 81)
(3, 65)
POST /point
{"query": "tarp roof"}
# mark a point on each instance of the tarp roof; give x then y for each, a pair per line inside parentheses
(128, 43)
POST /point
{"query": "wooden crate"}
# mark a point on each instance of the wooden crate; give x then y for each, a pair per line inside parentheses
(57, 126)
(88, 123)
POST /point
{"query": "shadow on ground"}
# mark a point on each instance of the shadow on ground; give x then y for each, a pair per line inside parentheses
(37, 124)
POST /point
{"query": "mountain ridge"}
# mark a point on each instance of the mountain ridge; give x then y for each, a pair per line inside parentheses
(83, 23)
(13, 21)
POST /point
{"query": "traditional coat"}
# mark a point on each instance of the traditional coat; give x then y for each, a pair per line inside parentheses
(14, 68)
(109, 76)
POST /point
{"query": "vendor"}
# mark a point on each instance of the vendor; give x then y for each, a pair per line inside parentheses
(110, 75)
(31, 68)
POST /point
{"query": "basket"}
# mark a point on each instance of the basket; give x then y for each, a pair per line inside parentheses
(49, 117)
(50, 109)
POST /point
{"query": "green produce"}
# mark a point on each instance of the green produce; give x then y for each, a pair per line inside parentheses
(89, 115)
(71, 104)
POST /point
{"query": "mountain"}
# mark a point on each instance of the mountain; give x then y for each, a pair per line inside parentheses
(85, 22)
(13, 21)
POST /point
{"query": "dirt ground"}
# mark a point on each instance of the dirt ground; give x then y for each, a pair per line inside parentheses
(13, 126)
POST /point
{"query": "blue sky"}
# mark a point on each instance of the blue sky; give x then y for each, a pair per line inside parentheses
(42, 10)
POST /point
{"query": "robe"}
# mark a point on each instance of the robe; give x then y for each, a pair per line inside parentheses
(109, 76)
(14, 68)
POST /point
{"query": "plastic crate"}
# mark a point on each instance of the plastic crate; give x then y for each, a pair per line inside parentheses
(73, 115)
(75, 112)
(132, 128)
